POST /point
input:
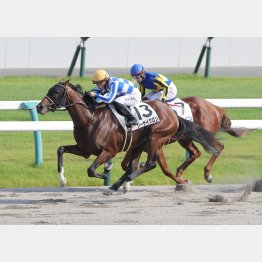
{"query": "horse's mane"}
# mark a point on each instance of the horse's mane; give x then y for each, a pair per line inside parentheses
(89, 101)
(78, 88)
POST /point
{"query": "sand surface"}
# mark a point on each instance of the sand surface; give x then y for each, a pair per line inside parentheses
(143, 205)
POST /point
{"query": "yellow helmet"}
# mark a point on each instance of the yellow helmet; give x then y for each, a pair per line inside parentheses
(99, 76)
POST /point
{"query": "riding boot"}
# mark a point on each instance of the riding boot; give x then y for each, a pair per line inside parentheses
(124, 111)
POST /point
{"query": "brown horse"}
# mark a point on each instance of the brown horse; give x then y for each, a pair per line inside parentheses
(97, 132)
(212, 118)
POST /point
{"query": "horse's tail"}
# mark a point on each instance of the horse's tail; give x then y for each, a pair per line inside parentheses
(226, 127)
(193, 131)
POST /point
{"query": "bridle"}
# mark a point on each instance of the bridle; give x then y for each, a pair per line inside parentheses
(56, 105)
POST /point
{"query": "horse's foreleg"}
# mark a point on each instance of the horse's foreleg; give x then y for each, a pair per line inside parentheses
(207, 170)
(102, 158)
(107, 167)
(194, 153)
(163, 165)
(72, 149)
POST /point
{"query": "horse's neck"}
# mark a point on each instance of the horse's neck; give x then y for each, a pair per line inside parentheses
(80, 115)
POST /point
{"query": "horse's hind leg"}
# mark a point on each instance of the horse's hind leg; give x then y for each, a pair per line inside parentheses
(150, 164)
(132, 172)
(129, 176)
(207, 169)
(132, 157)
(163, 165)
(194, 153)
(72, 149)
(151, 150)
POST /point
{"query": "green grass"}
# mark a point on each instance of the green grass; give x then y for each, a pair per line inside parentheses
(239, 162)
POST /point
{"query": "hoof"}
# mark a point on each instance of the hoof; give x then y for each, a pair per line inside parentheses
(181, 187)
(127, 186)
(108, 192)
(209, 179)
(63, 183)
(257, 186)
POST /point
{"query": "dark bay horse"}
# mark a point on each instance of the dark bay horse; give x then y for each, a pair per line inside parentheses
(97, 132)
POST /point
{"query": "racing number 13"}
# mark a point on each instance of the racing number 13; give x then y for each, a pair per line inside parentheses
(146, 108)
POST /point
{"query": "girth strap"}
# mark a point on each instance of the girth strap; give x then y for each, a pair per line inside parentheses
(128, 139)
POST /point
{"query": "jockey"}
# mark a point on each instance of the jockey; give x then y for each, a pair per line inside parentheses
(117, 91)
(162, 88)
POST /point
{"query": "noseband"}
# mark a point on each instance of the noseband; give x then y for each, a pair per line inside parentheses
(55, 105)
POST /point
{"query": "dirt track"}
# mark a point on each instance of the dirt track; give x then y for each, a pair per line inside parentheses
(144, 205)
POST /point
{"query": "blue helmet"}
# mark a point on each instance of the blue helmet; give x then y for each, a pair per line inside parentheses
(136, 69)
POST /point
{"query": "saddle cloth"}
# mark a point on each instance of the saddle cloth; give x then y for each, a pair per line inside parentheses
(182, 109)
(144, 114)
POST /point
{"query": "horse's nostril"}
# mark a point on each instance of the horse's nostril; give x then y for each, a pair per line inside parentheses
(39, 107)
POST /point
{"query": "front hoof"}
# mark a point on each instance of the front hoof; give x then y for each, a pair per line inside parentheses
(108, 192)
(184, 187)
(209, 179)
(181, 187)
(189, 182)
(63, 183)
(257, 186)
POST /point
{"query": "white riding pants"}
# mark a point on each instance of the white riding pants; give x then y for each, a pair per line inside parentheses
(130, 99)
(171, 95)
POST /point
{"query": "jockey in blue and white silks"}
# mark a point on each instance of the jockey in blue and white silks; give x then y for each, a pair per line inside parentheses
(120, 90)
(162, 88)
(117, 91)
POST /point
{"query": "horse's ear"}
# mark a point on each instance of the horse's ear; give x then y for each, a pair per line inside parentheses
(64, 82)
(67, 81)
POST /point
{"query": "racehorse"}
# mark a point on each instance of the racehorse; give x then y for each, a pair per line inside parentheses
(212, 118)
(97, 132)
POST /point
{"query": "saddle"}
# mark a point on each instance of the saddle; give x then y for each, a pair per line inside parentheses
(144, 114)
(182, 109)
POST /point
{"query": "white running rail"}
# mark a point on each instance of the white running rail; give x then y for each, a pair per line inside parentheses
(68, 125)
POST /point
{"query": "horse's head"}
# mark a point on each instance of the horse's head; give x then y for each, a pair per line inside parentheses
(55, 98)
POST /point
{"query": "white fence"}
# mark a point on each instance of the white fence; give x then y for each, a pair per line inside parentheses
(237, 103)
(13, 105)
(36, 125)
(68, 125)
